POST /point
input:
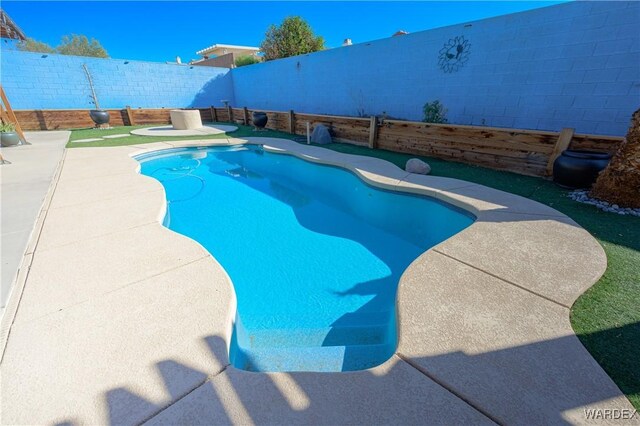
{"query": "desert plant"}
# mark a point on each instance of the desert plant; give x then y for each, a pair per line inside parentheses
(434, 112)
(293, 37)
(7, 127)
(619, 183)
(243, 60)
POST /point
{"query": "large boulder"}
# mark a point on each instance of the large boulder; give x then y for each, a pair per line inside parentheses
(415, 165)
(320, 134)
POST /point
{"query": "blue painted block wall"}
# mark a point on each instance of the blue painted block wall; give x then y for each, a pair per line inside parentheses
(37, 81)
(571, 65)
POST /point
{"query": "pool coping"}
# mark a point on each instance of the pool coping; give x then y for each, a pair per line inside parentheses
(567, 379)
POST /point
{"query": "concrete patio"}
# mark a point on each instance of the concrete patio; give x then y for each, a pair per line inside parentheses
(123, 321)
(25, 182)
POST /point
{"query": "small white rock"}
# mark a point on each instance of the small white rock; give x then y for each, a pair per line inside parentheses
(582, 196)
(415, 165)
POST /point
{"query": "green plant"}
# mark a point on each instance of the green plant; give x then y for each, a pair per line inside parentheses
(78, 45)
(434, 112)
(243, 60)
(31, 45)
(293, 37)
(7, 127)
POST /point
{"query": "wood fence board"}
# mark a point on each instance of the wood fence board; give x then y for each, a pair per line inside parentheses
(426, 146)
(275, 120)
(451, 127)
(564, 139)
(205, 114)
(355, 130)
(608, 144)
(477, 158)
(468, 142)
(223, 114)
(517, 150)
(131, 121)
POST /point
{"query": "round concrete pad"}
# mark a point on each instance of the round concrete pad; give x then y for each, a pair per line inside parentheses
(207, 129)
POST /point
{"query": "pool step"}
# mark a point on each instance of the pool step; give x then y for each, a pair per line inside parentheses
(316, 320)
(320, 358)
(330, 336)
(310, 343)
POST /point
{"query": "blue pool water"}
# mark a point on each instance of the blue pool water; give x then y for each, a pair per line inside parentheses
(314, 253)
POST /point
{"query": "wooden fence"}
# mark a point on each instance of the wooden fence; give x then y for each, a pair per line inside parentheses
(529, 152)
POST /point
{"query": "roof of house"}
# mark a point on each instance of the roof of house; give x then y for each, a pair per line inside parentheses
(221, 49)
(9, 29)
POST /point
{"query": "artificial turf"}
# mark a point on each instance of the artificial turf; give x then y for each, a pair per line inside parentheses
(606, 317)
(79, 134)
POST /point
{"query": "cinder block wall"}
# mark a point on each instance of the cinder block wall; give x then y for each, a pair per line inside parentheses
(570, 65)
(38, 81)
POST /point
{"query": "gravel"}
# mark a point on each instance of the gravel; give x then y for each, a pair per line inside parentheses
(582, 196)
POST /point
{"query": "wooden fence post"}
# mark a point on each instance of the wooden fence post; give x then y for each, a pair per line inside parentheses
(130, 116)
(373, 132)
(292, 122)
(246, 116)
(214, 114)
(12, 116)
(564, 139)
(230, 111)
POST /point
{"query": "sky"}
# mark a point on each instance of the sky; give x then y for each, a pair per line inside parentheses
(160, 31)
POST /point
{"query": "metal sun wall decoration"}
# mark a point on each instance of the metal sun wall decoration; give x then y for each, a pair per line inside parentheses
(454, 54)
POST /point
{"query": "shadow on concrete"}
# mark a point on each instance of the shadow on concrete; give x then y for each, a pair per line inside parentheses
(533, 383)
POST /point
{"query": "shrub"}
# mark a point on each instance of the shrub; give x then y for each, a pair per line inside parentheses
(241, 61)
(31, 45)
(434, 112)
(78, 45)
(293, 37)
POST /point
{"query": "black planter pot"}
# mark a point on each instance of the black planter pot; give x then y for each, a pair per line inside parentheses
(579, 169)
(99, 116)
(259, 119)
(9, 139)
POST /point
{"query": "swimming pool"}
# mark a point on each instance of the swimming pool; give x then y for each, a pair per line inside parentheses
(314, 253)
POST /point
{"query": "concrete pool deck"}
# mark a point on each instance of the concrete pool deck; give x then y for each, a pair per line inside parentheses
(123, 321)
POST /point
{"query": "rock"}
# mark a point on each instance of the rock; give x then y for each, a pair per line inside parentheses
(415, 165)
(320, 134)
